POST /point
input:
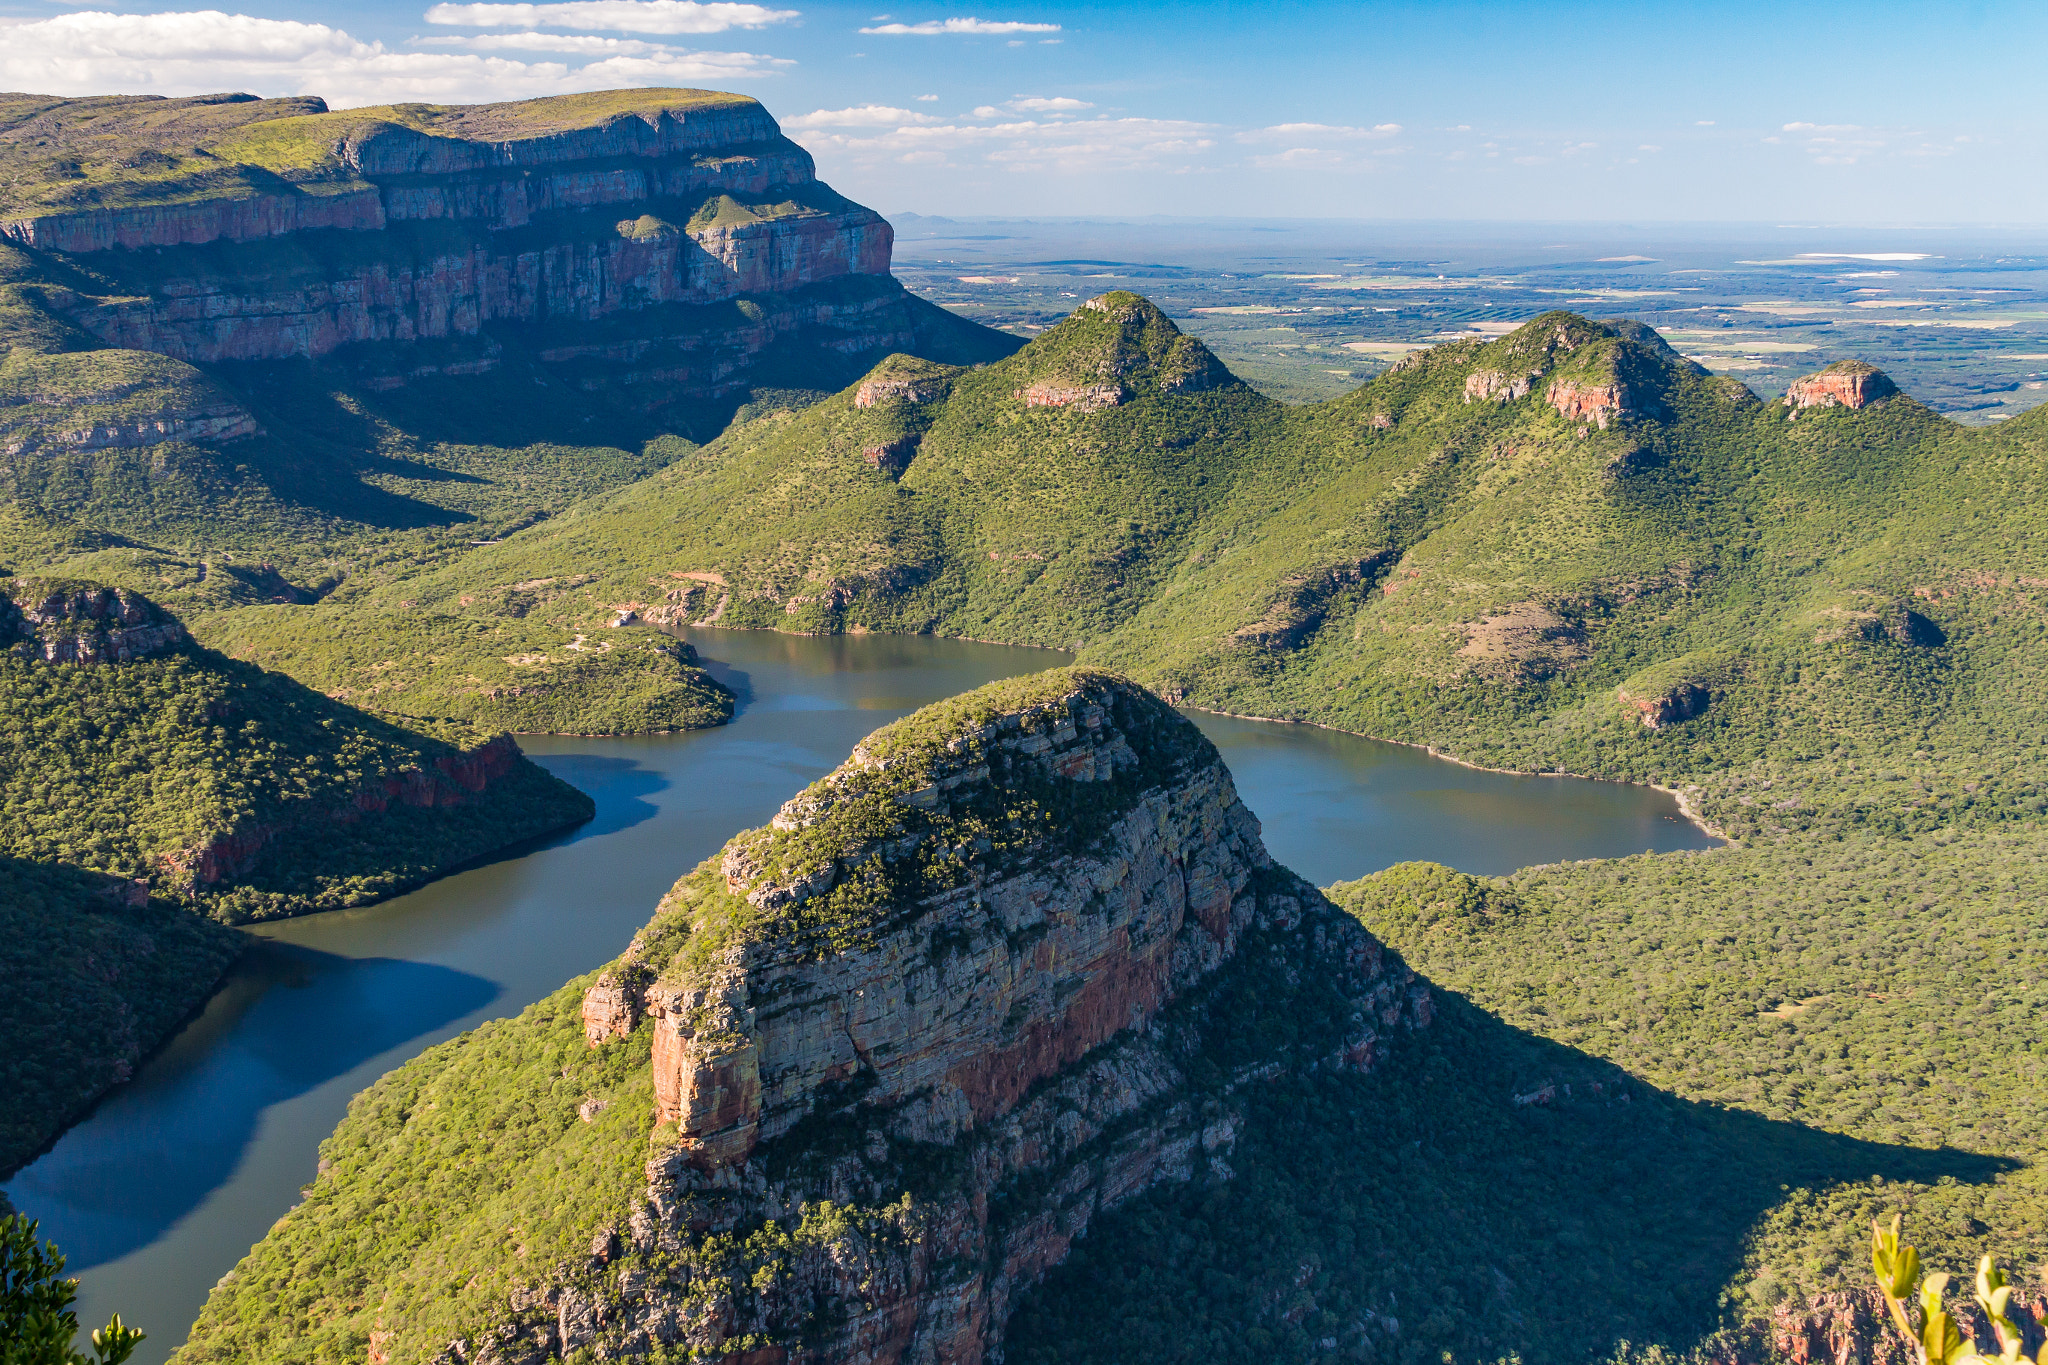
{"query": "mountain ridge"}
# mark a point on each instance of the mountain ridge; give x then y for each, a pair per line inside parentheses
(1002, 970)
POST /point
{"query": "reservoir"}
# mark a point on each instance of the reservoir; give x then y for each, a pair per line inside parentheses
(157, 1194)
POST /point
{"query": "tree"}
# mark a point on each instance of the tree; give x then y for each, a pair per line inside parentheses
(37, 1323)
(1936, 1340)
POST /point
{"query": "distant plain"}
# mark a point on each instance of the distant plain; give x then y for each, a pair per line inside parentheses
(1307, 309)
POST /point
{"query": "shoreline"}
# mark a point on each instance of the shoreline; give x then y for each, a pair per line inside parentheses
(1684, 801)
(1685, 805)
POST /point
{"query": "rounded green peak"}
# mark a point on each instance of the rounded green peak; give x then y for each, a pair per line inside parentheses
(954, 793)
(1562, 340)
(925, 735)
(1112, 346)
(1119, 300)
(900, 379)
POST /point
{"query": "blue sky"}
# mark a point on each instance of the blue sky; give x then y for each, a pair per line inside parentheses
(1872, 114)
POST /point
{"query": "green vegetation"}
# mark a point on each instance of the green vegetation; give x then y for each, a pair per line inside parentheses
(1041, 525)
(37, 1323)
(494, 674)
(136, 791)
(1844, 614)
(442, 1155)
(242, 792)
(892, 790)
(1936, 1339)
(508, 1169)
(94, 984)
(123, 152)
(120, 151)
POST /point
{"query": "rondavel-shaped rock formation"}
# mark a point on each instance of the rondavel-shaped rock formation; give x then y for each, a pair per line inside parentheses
(1012, 963)
(1844, 384)
(996, 931)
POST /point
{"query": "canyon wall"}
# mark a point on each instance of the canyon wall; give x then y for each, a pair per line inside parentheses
(595, 228)
(1003, 938)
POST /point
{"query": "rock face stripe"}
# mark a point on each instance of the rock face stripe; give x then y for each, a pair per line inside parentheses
(1034, 1019)
(532, 228)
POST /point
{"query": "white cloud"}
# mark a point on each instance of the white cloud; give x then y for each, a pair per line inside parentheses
(1063, 146)
(1302, 159)
(923, 98)
(986, 111)
(196, 52)
(1321, 146)
(1318, 132)
(1837, 144)
(864, 116)
(627, 16)
(934, 27)
(1057, 105)
(1702, 123)
(583, 44)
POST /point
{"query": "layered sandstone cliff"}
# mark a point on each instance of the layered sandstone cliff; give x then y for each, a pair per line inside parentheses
(233, 229)
(1844, 384)
(107, 400)
(984, 982)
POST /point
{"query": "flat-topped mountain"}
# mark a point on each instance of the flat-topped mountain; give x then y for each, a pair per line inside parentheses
(861, 1081)
(656, 244)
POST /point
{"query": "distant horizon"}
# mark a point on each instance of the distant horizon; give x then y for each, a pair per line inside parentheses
(1449, 112)
(1428, 221)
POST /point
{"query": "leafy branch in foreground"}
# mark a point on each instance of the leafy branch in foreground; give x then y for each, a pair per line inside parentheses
(1938, 1340)
(37, 1323)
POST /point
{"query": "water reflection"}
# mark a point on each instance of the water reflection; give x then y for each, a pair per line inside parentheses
(287, 1020)
(164, 1188)
(1335, 806)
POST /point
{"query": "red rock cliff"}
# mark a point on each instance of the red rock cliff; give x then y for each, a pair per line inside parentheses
(999, 932)
(425, 222)
(1845, 384)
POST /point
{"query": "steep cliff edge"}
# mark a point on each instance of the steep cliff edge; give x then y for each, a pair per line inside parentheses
(864, 1077)
(227, 789)
(660, 243)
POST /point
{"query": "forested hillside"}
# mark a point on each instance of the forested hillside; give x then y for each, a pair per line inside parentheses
(152, 791)
(1818, 616)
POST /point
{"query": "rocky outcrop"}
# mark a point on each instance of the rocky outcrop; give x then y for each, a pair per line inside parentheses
(1495, 386)
(1578, 400)
(234, 220)
(1853, 1327)
(976, 964)
(82, 623)
(1681, 701)
(894, 388)
(449, 780)
(1892, 621)
(1306, 599)
(223, 423)
(111, 400)
(891, 457)
(1047, 393)
(1116, 349)
(1845, 384)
